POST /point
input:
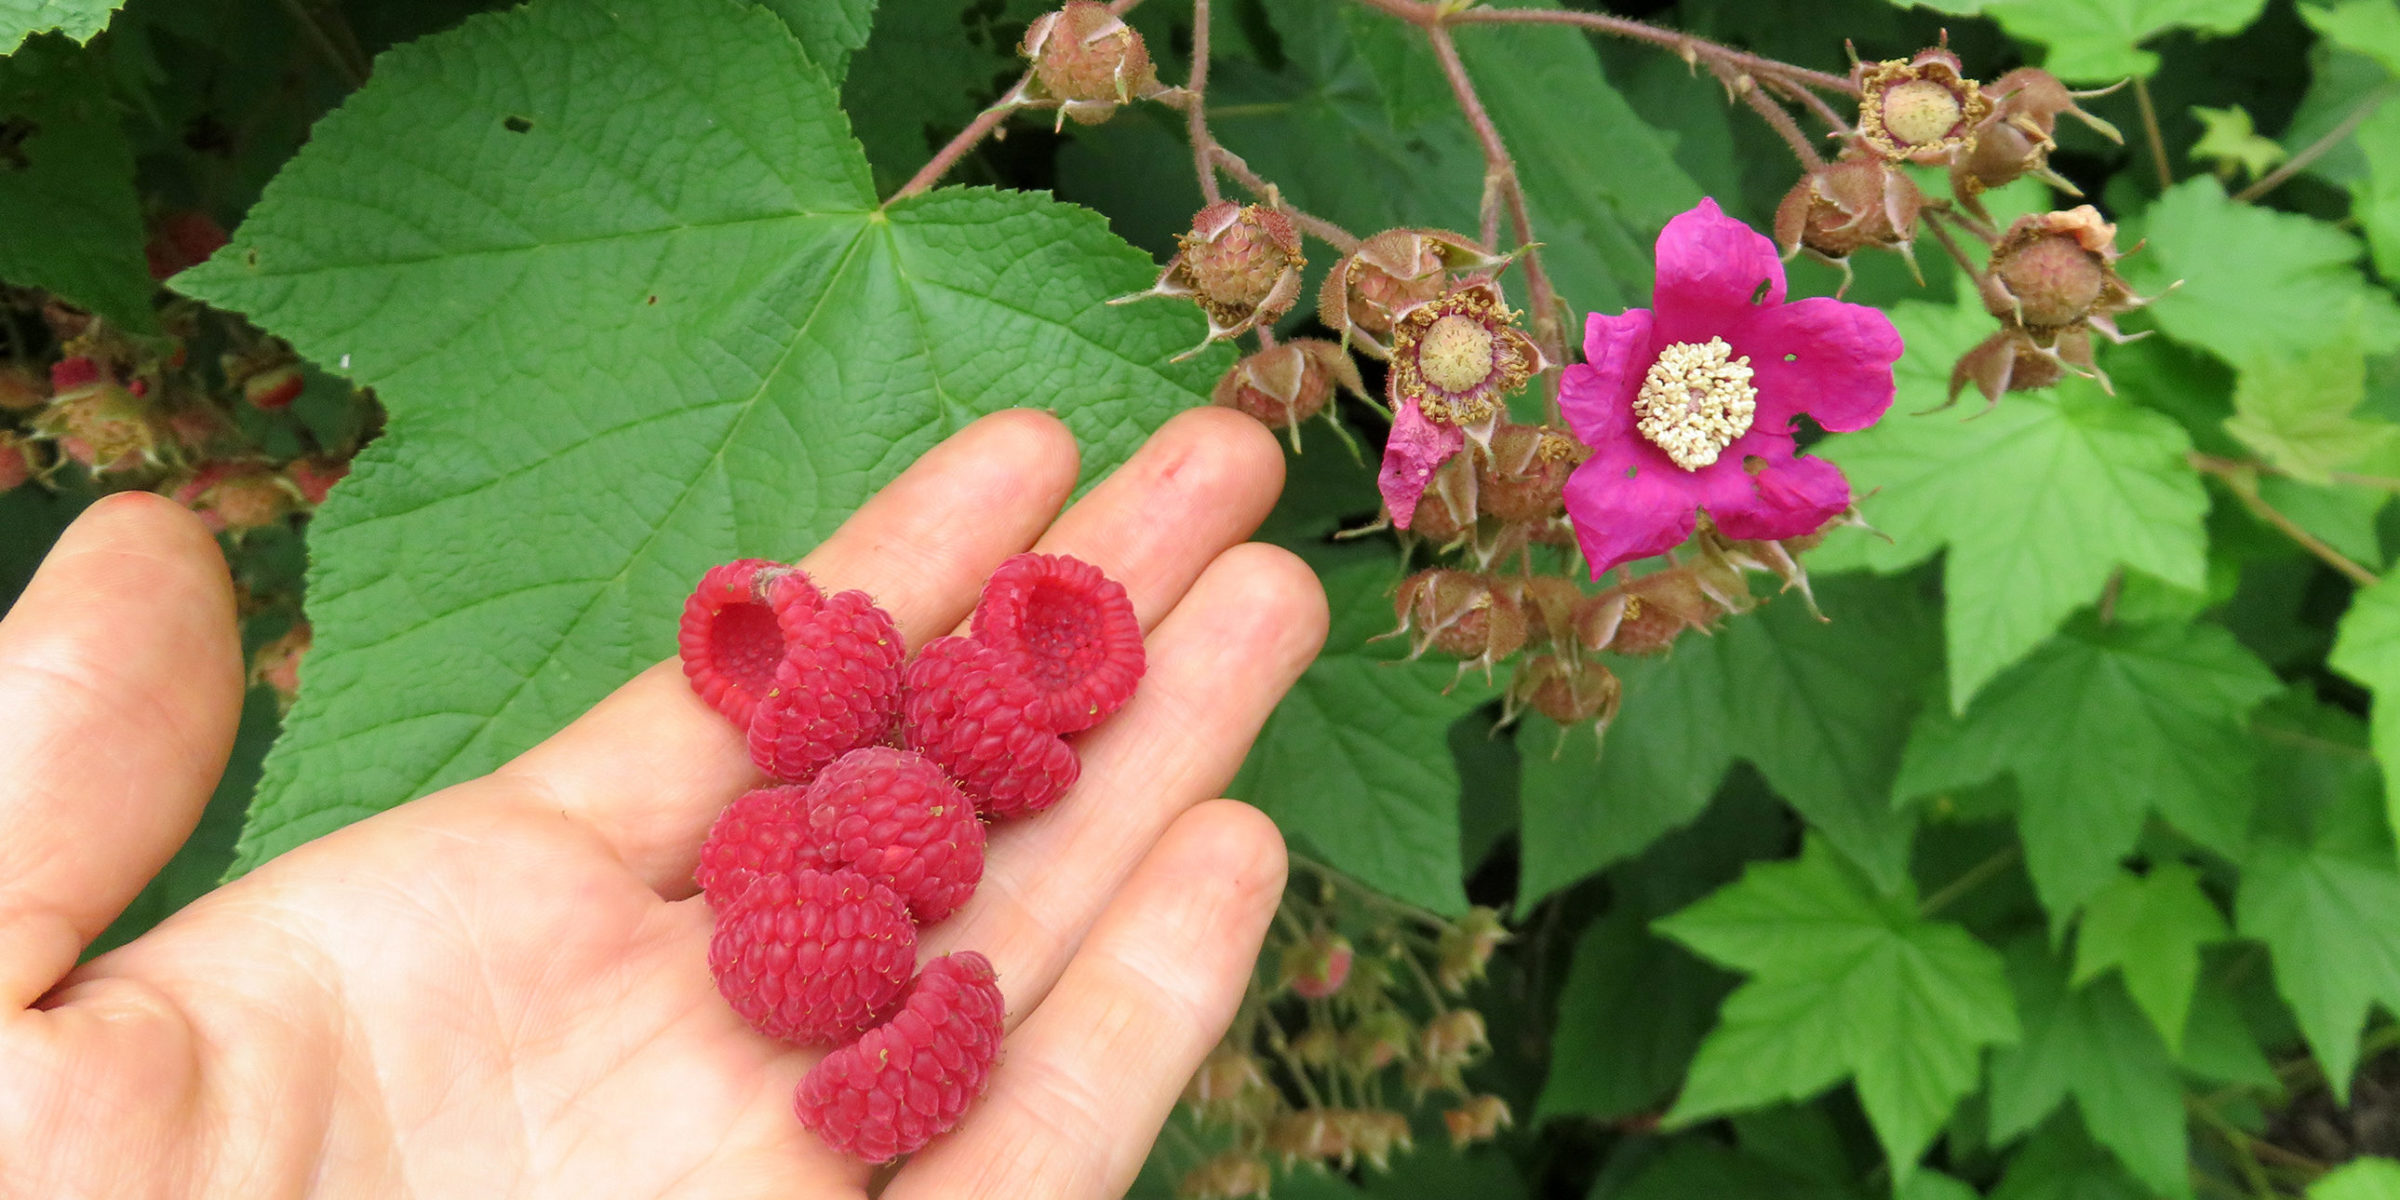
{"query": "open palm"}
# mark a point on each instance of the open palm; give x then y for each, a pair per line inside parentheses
(502, 989)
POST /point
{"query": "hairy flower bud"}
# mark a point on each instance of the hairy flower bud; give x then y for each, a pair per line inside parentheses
(237, 496)
(1525, 473)
(1230, 1086)
(2017, 360)
(1919, 109)
(1088, 60)
(2054, 269)
(1446, 512)
(1479, 1119)
(277, 664)
(1453, 1039)
(1390, 273)
(313, 478)
(1567, 688)
(1318, 967)
(1466, 947)
(2016, 139)
(1845, 206)
(1646, 615)
(1460, 613)
(1240, 263)
(1289, 383)
(1233, 1175)
(96, 421)
(1378, 1040)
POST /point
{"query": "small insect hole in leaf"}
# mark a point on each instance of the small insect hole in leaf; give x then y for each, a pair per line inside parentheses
(517, 124)
(14, 133)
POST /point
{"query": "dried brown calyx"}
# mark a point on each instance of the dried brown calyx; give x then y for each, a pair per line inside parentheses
(1286, 384)
(1852, 204)
(1240, 263)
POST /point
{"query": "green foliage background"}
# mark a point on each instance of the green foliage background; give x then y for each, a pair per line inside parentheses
(2057, 863)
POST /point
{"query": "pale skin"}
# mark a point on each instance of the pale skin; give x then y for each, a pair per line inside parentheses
(501, 989)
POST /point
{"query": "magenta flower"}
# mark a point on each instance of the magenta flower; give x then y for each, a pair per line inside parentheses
(1689, 406)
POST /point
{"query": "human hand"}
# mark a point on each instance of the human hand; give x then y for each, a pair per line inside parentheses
(501, 989)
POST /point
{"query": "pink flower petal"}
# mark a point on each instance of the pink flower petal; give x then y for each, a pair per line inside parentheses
(1627, 504)
(1597, 394)
(1830, 360)
(1416, 449)
(1710, 266)
(1790, 498)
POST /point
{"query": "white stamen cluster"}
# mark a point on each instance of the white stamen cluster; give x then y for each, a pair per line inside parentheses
(1696, 400)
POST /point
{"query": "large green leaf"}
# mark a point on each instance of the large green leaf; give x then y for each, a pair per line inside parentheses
(2100, 727)
(1844, 983)
(2375, 196)
(1355, 763)
(2151, 928)
(2087, 484)
(2060, 1163)
(2257, 284)
(2299, 412)
(2363, 1179)
(2098, 41)
(78, 19)
(66, 187)
(2320, 889)
(1820, 707)
(2367, 649)
(2091, 1044)
(2370, 27)
(628, 321)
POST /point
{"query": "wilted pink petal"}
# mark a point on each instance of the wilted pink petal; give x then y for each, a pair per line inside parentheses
(1416, 448)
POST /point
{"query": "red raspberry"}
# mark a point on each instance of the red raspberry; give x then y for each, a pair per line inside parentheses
(964, 707)
(813, 957)
(911, 1078)
(837, 688)
(731, 641)
(888, 814)
(1069, 629)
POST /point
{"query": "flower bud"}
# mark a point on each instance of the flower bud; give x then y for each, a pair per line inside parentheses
(1919, 109)
(1550, 604)
(1525, 474)
(1378, 1040)
(1466, 947)
(1233, 1175)
(1229, 1086)
(1088, 60)
(2017, 360)
(1566, 688)
(1376, 1133)
(1446, 512)
(2054, 269)
(274, 389)
(1845, 206)
(2016, 139)
(95, 421)
(1318, 967)
(16, 461)
(277, 664)
(1479, 1119)
(234, 496)
(1289, 383)
(1460, 613)
(20, 389)
(1390, 273)
(314, 478)
(1240, 263)
(1453, 1039)
(1646, 615)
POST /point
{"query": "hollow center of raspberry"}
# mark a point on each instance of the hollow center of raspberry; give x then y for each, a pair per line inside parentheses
(747, 644)
(1060, 631)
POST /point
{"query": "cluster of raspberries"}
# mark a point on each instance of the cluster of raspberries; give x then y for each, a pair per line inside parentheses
(887, 770)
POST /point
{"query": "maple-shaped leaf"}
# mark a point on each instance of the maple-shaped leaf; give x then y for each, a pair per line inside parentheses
(2036, 502)
(2299, 412)
(628, 320)
(2366, 648)
(2150, 928)
(2099, 41)
(2091, 1044)
(2100, 727)
(2061, 1163)
(2320, 888)
(2369, 27)
(2228, 139)
(2375, 194)
(77, 19)
(1844, 983)
(1820, 707)
(2257, 284)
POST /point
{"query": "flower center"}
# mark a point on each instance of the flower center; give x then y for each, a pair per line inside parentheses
(1456, 354)
(1695, 401)
(1920, 111)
